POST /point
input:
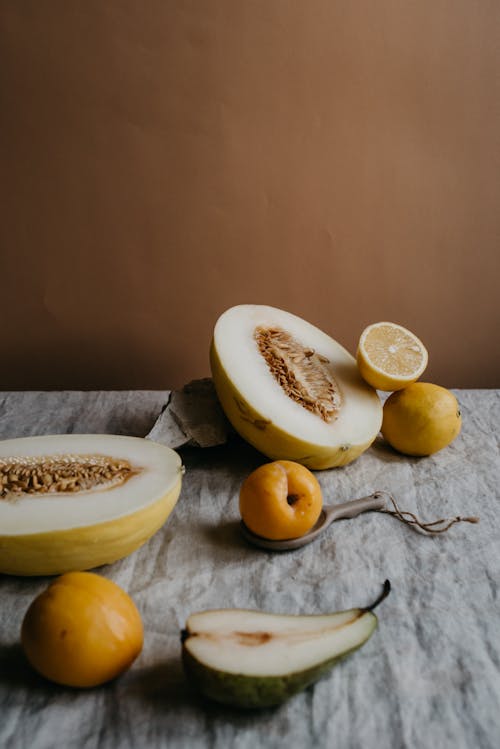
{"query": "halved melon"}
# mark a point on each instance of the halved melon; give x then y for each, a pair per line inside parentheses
(73, 502)
(290, 390)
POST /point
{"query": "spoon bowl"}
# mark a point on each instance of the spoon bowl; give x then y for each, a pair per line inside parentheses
(329, 513)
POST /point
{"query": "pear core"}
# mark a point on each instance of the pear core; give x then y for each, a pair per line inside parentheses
(258, 644)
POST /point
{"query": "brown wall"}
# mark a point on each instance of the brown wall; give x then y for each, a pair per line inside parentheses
(161, 161)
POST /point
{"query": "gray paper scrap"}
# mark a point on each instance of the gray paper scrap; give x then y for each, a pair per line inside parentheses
(192, 417)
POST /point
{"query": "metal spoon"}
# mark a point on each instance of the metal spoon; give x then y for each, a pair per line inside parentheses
(329, 513)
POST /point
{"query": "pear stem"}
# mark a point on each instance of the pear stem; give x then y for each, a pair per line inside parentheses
(385, 592)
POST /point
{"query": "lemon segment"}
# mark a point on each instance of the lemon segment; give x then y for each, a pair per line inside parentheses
(390, 357)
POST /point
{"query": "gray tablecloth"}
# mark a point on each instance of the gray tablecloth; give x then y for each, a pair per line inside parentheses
(429, 676)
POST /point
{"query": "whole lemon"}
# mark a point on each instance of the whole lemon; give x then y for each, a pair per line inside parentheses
(421, 419)
(83, 630)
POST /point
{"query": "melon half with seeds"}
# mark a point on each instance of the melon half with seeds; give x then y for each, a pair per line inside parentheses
(290, 390)
(73, 502)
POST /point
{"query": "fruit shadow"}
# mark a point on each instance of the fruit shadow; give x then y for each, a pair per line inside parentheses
(17, 674)
(162, 682)
(159, 685)
(225, 534)
(166, 684)
(242, 457)
(387, 454)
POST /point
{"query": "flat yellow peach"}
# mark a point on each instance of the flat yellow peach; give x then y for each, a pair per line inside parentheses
(83, 630)
(280, 500)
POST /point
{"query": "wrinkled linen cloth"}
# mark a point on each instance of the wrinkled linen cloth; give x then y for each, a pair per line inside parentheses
(428, 677)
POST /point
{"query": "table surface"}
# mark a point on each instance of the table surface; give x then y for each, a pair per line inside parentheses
(430, 674)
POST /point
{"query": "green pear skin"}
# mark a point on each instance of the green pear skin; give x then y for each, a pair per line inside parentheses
(245, 690)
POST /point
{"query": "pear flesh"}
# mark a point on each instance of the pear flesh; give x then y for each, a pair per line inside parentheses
(254, 659)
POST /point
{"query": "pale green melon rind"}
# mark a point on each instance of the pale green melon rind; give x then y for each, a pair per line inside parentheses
(56, 552)
(254, 692)
(269, 439)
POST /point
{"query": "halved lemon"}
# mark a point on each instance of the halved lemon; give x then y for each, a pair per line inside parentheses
(390, 357)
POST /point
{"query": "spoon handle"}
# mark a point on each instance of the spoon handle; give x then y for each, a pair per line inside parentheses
(375, 501)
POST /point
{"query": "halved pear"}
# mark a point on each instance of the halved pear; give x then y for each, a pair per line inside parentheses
(73, 502)
(253, 659)
(290, 390)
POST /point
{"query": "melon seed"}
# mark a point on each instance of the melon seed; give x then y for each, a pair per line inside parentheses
(61, 473)
(302, 373)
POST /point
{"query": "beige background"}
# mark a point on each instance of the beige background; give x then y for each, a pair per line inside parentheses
(162, 161)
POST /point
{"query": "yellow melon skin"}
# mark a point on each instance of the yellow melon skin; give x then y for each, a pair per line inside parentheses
(56, 552)
(269, 439)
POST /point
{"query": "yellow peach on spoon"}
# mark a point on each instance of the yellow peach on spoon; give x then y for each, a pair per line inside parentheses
(280, 500)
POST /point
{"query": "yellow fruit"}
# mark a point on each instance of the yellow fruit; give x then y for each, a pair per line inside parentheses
(421, 419)
(83, 630)
(390, 357)
(76, 501)
(290, 390)
(280, 500)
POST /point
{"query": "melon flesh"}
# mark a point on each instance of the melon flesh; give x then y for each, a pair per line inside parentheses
(56, 532)
(266, 416)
